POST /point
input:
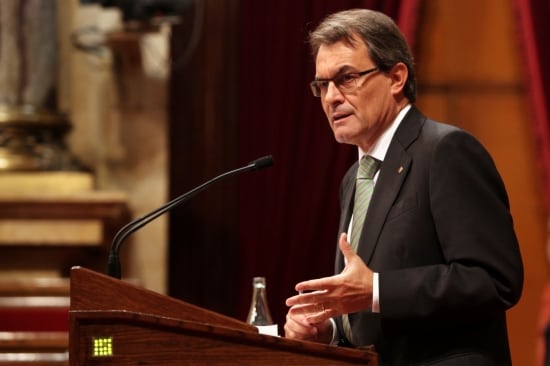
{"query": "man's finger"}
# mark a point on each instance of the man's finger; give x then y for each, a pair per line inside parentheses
(345, 247)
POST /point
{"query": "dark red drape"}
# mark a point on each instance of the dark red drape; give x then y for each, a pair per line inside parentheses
(288, 214)
(534, 29)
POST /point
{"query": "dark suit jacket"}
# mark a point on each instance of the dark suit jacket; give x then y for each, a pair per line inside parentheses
(439, 232)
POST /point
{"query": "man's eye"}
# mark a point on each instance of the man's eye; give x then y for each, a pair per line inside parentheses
(346, 78)
(322, 84)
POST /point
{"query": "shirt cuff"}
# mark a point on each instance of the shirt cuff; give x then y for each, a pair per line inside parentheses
(375, 294)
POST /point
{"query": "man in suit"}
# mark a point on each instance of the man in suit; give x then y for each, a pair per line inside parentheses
(437, 262)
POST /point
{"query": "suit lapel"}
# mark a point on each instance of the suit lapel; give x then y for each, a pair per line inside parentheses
(393, 172)
(346, 210)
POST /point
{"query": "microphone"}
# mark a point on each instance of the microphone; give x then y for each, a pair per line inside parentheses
(113, 264)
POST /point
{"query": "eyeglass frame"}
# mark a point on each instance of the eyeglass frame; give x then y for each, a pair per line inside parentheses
(339, 81)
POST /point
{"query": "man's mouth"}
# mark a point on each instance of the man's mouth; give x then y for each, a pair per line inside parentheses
(337, 117)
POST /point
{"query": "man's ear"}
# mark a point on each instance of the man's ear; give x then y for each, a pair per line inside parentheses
(398, 77)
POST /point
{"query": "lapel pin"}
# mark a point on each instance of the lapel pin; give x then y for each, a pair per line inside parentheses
(400, 170)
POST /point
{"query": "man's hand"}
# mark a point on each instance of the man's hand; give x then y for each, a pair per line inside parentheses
(347, 292)
(297, 327)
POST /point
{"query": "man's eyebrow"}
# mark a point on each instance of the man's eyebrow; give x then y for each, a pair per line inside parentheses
(342, 70)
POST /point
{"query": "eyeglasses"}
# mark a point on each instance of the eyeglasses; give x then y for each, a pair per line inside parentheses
(344, 82)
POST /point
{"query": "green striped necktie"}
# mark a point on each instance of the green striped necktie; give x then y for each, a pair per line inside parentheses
(364, 185)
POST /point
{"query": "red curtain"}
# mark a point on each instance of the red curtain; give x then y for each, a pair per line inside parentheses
(534, 29)
(288, 214)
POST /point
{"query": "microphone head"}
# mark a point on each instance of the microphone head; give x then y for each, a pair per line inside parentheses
(263, 162)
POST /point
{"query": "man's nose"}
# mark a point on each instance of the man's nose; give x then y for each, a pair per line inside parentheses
(333, 93)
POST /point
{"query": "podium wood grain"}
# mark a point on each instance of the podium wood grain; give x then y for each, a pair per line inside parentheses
(147, 328)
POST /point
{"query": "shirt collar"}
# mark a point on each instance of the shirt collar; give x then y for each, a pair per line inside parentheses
(380, 147)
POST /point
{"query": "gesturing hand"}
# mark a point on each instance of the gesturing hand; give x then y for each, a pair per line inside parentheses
(346, 292)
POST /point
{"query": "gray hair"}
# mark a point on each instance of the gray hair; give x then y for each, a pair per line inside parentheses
(385, 42)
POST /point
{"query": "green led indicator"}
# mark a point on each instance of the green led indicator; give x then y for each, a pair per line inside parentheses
(102, 346)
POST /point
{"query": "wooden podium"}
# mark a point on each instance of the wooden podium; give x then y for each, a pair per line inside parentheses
(113, 322)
